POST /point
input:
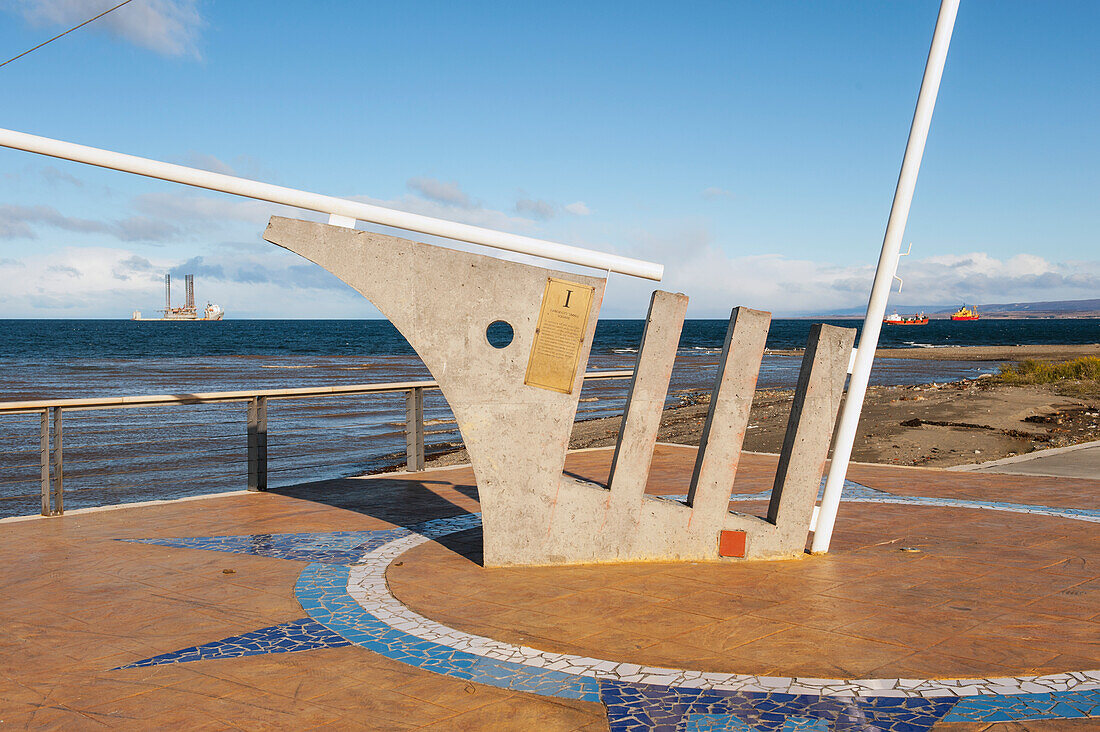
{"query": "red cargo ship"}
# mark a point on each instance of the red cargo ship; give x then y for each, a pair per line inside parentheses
(965, 313)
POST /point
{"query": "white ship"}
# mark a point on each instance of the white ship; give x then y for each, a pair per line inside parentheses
(188, 311)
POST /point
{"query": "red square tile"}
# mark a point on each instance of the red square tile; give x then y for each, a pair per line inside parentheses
(731, 543)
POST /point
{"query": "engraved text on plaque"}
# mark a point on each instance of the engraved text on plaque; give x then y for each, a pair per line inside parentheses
(559, 336)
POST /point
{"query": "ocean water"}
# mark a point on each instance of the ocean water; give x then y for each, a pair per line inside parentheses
(125, 339)
(124, 455)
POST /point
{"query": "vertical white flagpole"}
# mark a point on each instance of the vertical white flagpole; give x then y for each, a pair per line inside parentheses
(887, 266)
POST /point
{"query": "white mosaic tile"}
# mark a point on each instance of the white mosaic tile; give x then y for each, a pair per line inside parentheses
(367, 586)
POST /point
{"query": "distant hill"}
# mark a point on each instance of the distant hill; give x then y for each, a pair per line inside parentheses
(1051, 309)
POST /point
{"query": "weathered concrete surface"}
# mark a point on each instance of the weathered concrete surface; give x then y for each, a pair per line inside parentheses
(442, 300)
(1074, 461)
(516, 435)
(809, 431)
(728, 415)
(645, 402)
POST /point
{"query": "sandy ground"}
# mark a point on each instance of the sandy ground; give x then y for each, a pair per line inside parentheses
(937, 425)
(992, 353)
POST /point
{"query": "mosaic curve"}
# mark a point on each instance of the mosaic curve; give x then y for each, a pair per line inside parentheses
(337, 597)
(367, 587)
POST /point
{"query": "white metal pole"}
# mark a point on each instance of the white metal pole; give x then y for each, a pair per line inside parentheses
(340, 207)
(887, 266)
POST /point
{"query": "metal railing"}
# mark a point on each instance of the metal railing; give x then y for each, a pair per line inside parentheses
(52, 411)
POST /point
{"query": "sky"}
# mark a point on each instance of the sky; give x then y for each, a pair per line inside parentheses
(752, 148)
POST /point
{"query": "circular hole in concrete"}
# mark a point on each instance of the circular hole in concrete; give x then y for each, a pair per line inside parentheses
(499, 334)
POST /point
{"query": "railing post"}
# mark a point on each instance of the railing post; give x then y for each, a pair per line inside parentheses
(44, 457)
(58, 471)
(414, 429)
(257, 444)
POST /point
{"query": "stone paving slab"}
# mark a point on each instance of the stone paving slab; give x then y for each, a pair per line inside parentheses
(1074, 461)
(360, 604)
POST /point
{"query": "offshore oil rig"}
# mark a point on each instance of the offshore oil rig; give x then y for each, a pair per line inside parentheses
(189, 311)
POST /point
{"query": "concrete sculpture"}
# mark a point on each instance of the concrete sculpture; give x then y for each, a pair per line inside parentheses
(346, 212)
(515, 404)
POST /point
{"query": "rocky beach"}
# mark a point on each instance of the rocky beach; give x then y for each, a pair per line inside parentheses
(930, 425)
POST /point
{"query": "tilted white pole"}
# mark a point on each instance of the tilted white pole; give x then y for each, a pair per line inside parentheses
(330, 205)
(887, 266)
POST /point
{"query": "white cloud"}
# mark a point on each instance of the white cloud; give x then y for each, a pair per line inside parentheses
(475, 214)
(440, 191)
(980, 277)
(23, 222)
(542, 209)
(200, 212)
(168, 27)
(204, 161)
(74, 280)
(53, 176)
(206, 212)
(182, 215)
(263, 279)
(112, 282)
(538, 208)
(717, 280)
(65, 270)
(160, 218)
(270, 282)
(714, 193)
(243, 166)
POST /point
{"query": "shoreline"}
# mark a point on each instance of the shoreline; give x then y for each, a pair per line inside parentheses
(993, 353)
(1044, 352)
(931, 425)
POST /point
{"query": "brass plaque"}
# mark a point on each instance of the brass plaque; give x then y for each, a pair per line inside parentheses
(559, 336)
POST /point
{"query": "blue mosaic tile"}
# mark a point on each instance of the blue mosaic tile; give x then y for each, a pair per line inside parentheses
(1022, 707)
(297, 635)
(337, 619)
(322, 591)
(633, 707)
(335, 547)
(711, 723)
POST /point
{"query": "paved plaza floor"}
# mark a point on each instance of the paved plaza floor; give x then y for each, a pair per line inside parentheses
(951, 600)
(1075, 461)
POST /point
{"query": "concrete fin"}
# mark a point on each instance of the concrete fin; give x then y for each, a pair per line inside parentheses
(728, 416)
(810, 429)
(646, 400)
